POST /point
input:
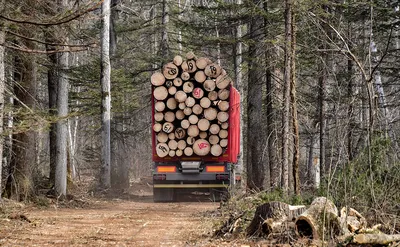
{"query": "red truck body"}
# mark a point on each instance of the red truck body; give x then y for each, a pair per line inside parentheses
(232, 151)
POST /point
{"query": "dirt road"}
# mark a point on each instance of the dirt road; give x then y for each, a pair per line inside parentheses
(134, 222)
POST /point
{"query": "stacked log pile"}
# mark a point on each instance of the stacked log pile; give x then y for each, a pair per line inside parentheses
(191, 108)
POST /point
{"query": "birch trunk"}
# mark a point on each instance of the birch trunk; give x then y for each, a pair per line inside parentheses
(106, 96)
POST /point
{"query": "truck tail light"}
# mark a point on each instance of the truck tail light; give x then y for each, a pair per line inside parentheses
(215, 168)
(166, 169)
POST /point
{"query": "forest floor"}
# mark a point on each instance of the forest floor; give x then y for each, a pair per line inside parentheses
(131, 220)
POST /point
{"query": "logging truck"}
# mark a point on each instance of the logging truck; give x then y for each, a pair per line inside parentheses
(195, 128)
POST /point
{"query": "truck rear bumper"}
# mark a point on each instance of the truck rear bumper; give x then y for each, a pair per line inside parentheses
(191, 186)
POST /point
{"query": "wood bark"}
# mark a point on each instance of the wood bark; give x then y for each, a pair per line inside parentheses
(2, 87)
(270, 216)
(20, 180)
(319, 220)
(286, 98)
(60, 185)
(255, 167)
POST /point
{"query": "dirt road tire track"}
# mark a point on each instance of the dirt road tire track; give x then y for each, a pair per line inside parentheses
(137, 222)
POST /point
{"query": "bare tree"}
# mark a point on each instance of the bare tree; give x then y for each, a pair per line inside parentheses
(286, 97)
(2, 87)
(106, 95)
(255, 165)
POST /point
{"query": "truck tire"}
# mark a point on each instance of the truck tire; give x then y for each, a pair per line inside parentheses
(163, 195)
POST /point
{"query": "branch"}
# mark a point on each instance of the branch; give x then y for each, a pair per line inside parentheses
(62, 21)
(42, 51)
(48, 43)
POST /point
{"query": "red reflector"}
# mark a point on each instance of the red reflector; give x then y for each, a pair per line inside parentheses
(161, 169)
(215, 168)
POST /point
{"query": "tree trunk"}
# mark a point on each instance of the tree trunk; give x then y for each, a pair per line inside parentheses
(2, 87)
(164, 51)
(293, 99)
(255, 165)
(286, 97)
(62, 127)
(20, 182)
(106, 96)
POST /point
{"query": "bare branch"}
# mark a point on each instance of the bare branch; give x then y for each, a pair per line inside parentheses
(43, 51)
(48, 43)
(59, 22)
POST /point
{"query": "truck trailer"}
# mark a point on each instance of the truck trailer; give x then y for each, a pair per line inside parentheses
(195, 129)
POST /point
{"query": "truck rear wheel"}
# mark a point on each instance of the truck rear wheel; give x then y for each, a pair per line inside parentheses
(163, 195)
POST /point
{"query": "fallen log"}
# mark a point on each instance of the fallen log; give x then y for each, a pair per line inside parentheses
(376, 239)
(319, 221)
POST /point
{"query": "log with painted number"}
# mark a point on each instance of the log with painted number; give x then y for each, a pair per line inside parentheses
(195, 111)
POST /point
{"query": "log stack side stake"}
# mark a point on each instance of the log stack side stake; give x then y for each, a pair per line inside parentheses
(191, 107)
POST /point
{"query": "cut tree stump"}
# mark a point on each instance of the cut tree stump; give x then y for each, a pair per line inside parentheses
(271, 217)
